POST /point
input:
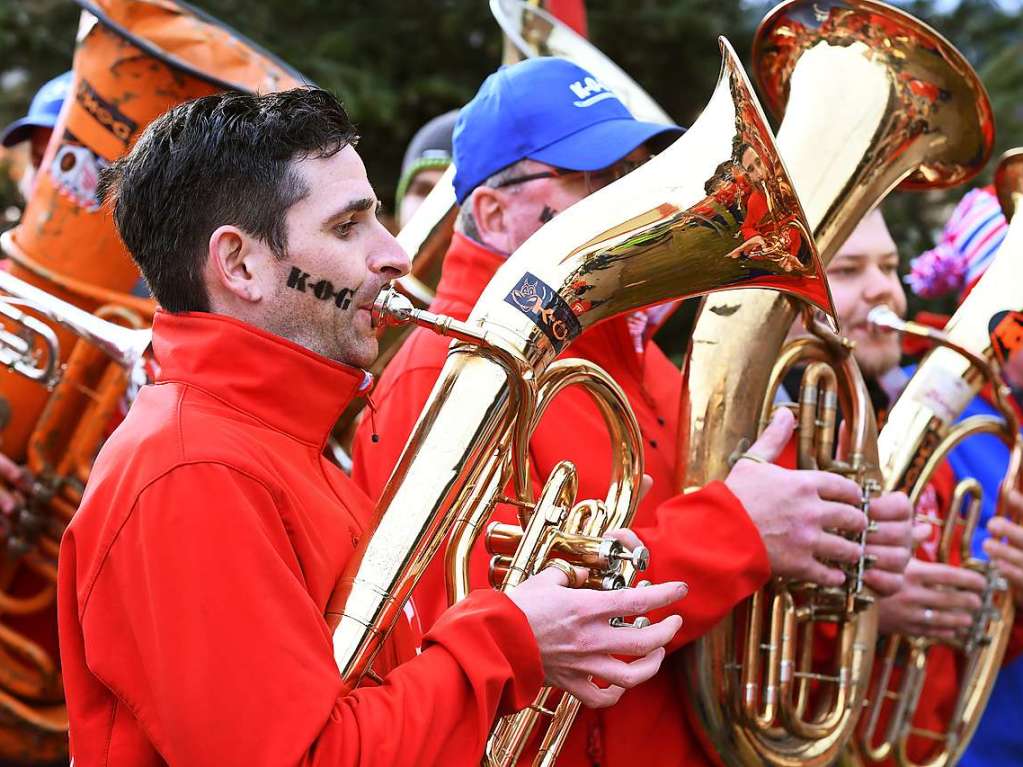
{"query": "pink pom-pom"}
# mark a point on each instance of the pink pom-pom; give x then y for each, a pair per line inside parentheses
(937, 272)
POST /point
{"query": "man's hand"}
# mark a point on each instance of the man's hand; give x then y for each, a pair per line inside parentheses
(577, 641)
(936, 600)
(1005, 546)
(890, 542)
(798, 513)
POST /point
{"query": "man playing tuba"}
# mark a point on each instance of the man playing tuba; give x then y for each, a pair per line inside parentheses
(538, 137)
(196, 578)
(968, 244)
(936, 600)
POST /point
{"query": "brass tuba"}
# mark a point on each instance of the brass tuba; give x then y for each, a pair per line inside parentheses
(652, 236)
(871, 97)
(920, 433)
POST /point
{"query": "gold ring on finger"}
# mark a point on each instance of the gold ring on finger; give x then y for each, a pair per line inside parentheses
(570, 572)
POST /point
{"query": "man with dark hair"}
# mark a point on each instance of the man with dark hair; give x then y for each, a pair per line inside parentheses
(197, 582)
(538, 137)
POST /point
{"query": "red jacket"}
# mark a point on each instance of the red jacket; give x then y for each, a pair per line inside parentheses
(705, 538)
(196, 576)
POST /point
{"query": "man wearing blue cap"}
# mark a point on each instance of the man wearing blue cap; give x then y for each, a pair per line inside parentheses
(37, 126)
(538, 137)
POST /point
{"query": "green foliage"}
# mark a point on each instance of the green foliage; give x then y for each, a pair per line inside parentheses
(397, 63)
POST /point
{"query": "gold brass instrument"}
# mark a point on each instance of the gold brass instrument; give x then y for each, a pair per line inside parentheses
(920, 433)
(650, 237)
(71, 364)
(87, 395)
(871, 98)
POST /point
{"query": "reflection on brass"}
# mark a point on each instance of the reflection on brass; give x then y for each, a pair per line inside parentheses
(920, 433)
(715, 210)
(871, 98)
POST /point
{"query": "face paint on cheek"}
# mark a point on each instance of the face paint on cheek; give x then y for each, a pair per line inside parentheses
(322, 290)
(547, 214)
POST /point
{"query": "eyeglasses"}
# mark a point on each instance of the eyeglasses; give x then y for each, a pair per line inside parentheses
(595, 179)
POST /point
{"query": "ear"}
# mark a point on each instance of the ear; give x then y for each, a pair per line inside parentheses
(234, 263)
(489, 210)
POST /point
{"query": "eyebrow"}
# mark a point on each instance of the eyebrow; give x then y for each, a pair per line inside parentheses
(354, 206)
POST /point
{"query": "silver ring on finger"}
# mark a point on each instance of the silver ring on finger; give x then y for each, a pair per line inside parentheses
(928, 615)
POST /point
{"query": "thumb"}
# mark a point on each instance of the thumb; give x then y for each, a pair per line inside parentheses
(776, 436)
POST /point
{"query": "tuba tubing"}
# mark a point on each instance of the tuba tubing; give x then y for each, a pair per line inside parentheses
(920, 432)
(871, 98)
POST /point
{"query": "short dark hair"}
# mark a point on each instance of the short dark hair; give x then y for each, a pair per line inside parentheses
(216, 160)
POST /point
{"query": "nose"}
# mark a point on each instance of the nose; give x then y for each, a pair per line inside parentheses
(387, 258)
(878, 288)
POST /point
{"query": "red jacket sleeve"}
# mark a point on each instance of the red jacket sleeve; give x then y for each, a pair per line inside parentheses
(201, 625)
(706, 539)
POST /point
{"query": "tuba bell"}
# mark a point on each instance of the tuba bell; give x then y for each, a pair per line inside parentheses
(920, 433)
(871, 98)
(652, 236)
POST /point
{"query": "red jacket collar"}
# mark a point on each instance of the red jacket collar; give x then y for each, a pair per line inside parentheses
(468, 267)
(286, 386)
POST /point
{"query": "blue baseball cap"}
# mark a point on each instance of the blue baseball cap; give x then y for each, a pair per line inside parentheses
(549, 110)
(42, 112)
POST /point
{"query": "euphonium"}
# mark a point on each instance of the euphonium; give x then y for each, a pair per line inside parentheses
(871, 98)
(920, 433)
(651, 236)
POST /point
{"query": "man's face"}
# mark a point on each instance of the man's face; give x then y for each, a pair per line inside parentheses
(862, 275)
(419, 187)
(339, 256)
(753, 165)
(530, 205)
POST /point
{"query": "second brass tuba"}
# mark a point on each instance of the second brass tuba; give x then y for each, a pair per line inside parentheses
(652, 236)
(871, 97)
(921, 431)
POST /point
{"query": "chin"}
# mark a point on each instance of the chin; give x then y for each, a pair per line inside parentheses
(362, 355)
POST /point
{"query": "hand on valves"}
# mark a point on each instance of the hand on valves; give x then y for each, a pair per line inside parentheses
(578, 632)
(807, 519)
(1005, 545)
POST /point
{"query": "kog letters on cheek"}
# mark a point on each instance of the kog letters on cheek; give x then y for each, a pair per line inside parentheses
(321, 289)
